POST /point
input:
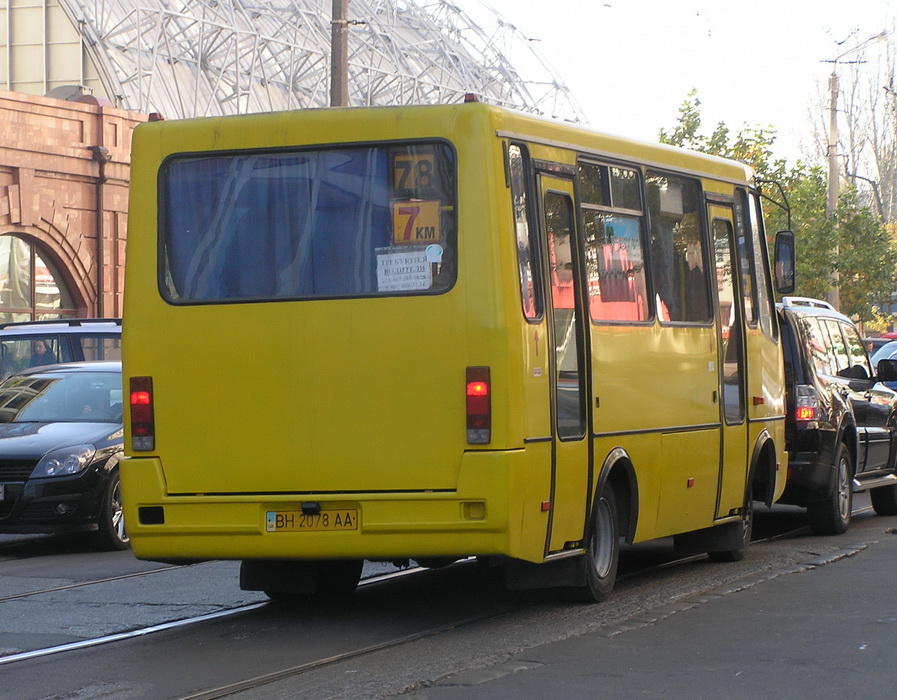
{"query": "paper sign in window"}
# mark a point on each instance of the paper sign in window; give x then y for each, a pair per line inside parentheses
(403, 269)
(415, 223)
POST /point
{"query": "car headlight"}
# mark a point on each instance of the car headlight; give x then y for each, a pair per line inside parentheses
(64, 461)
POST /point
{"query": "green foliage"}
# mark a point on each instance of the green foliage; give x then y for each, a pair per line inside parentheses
(853, 243)
(865, 258)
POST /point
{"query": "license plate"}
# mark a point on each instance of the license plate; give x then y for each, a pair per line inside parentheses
(297, 521)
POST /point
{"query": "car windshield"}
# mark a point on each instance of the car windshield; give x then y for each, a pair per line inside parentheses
(92, 397)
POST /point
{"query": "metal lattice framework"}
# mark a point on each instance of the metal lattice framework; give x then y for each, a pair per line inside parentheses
(186, 58)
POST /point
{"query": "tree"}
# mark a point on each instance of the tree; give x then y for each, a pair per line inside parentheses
(853, 243)
(866, 253)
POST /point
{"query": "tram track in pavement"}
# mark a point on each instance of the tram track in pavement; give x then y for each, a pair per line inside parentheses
(634, 572)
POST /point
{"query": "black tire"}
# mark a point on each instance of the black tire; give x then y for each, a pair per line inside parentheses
(338, 579)
(832, 515)
(112, 535)
(747, 528)
(884, 500)
(297, 581)
(599, 564)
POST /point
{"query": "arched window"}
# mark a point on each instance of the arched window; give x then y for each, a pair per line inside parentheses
(31, 287)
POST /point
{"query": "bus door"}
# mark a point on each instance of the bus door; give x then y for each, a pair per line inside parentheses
(734, 457)
(567, 353)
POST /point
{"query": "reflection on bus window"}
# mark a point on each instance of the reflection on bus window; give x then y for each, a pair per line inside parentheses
(677, 252)
(338, 222)
(526, 266)
(569, 397)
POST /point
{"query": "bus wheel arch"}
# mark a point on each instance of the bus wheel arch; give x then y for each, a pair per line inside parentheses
(612, 517)
(764, 465)
(618, 473)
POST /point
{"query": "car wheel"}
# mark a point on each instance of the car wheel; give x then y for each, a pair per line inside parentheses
(884, 500)
(599, 564)
(832, 516)
(112, 534)
(747, 527)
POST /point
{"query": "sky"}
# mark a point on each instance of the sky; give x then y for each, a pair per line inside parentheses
(632, 63)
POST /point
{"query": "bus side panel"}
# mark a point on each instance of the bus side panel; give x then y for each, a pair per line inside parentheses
(767, 381)
(661, 379)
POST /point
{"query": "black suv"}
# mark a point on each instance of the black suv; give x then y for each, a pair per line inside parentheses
(32, 343)
(841, 421)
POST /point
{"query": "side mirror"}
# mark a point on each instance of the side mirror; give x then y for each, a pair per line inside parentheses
(784, 262)
(886, 371)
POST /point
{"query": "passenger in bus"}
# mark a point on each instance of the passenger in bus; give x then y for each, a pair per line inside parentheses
(41, 354)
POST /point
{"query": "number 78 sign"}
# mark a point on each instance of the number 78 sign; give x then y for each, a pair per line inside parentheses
(415, 222)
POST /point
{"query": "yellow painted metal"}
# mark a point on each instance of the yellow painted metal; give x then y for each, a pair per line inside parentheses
(359, 403)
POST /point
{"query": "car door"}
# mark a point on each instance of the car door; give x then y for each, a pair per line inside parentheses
(871, 402)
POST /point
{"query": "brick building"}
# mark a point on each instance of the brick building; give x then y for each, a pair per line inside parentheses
(64, 171)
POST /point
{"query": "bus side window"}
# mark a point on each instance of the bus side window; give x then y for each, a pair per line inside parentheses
(526, 264)
(614, 243)
(678, 259)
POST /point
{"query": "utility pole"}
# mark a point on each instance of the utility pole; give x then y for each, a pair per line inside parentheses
(339, 54)
(831, 200)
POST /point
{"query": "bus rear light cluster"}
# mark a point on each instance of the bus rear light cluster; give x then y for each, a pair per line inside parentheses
(479, 406)
(143, 423)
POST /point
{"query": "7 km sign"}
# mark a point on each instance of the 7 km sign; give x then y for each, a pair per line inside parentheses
(415, 222)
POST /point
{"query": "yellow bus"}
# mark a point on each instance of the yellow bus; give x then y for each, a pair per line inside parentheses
(436, 332)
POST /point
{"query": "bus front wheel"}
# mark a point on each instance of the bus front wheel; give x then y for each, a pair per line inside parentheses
(602, 555)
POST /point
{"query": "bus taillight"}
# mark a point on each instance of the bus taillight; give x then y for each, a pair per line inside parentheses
(143, 425)
(479, 406)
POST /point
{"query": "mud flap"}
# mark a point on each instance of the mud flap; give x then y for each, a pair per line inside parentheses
(719, 538)
(563, 573)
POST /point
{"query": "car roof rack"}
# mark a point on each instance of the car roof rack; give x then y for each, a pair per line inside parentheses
(71, 322)
(807, 301)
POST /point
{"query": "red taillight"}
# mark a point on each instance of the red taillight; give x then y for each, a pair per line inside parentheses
(806, 413)
(479, 406)
(806, 403)
(143, 425)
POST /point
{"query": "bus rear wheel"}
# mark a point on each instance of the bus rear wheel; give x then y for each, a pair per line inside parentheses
(599, 564)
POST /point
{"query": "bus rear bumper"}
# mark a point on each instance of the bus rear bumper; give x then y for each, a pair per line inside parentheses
(472, 520)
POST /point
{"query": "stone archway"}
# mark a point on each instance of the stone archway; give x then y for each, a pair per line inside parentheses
(48, 231)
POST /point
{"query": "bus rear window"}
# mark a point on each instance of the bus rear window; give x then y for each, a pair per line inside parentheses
(323, 223)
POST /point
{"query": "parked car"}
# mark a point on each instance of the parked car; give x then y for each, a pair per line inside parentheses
(873, 344)
(888, 351)
(32, 343)
(841, 419)
(61, 440)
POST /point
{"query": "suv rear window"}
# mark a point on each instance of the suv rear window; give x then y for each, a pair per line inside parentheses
(18, 352)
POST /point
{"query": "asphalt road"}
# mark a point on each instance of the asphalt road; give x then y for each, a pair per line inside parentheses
(786, 615)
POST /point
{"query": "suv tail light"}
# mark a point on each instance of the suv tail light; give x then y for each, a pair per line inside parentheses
(807, 404)
(143, 423)
(479, 406)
